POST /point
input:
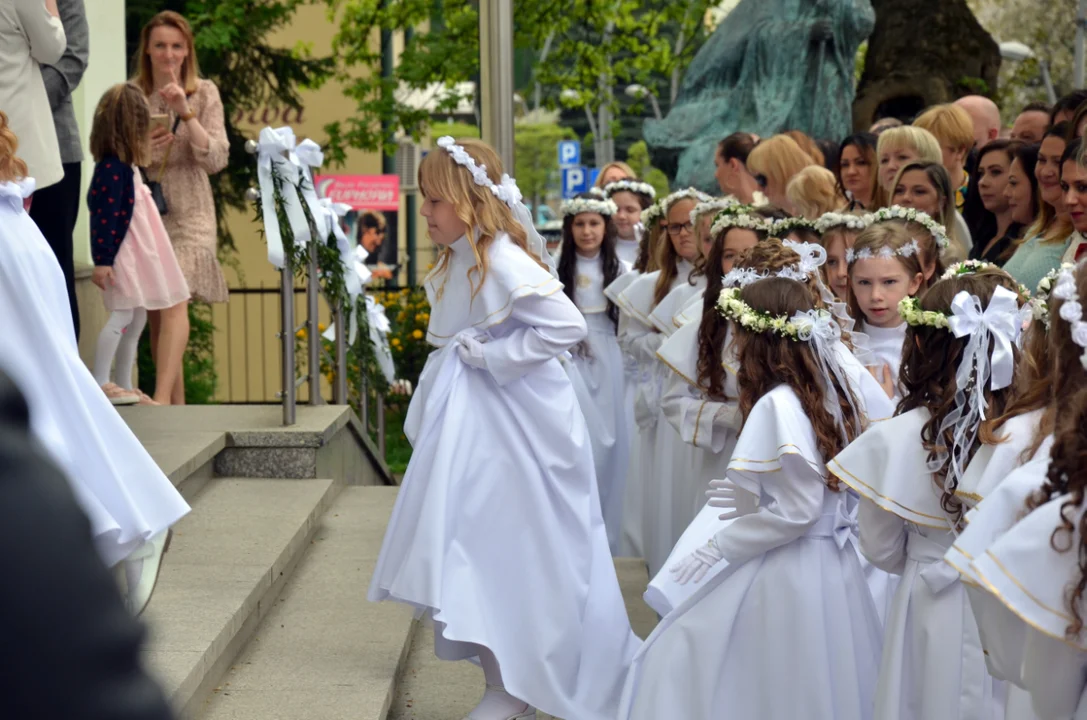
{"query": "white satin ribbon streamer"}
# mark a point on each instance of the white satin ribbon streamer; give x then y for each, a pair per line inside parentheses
(821, 329)
(999, 322)
(307, 155)
(272, 150)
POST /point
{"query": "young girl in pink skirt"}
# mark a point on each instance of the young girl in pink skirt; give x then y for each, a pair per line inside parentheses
(135, 265)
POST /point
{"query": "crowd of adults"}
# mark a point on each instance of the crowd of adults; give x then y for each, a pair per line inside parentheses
(1002, 191)
(44, 52)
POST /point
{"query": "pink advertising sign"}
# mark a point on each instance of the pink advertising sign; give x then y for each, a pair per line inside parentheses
(361, 192)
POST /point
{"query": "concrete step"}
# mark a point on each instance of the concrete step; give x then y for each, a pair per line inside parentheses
(323, 651)
(228, 560)
(431, 689)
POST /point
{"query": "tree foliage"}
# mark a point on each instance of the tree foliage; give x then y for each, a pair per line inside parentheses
(597, 48)
(232, 49)
(1050, 34)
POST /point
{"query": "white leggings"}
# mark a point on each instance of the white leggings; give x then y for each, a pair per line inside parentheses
(120, 338)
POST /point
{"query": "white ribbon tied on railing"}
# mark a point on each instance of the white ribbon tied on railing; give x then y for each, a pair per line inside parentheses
(998, 323)
(331, 212)
(308, 155)
(272, 150)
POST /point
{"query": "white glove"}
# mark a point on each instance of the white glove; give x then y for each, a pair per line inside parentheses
(471, 351)
(697, 564)
(724, 494)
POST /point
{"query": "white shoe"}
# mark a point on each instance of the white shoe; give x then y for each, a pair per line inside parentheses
(497, 704)
(142, 571)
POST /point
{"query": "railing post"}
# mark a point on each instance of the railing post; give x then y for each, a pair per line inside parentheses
(364, 399)
(287, 330)
(313, 292)
(381, 425)
(339, 391)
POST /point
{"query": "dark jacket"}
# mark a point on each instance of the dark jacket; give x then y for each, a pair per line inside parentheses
(70, 649)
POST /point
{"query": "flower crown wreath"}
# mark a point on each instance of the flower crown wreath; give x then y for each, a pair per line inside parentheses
(739, 217)
(653, 213)
(908, 250)
(831, 220)
(687, 194)
(576, 206)
(973, 267)
(713, 206)
(812, 257)
(506, 190)
(632, 186)
(1039, 303)
(1072, 311)
(800, 327)
(785, 226)
(897, 212)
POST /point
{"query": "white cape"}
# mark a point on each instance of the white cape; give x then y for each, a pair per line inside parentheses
(122, 490)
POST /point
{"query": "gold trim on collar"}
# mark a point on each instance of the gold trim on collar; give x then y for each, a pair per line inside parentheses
(880, 499)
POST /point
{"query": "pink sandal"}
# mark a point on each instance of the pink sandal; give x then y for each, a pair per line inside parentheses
(119, 396)
(146, 399)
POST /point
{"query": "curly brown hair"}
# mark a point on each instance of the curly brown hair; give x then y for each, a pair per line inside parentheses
(11, 167)
(1067, 475)
(768, 360)
(930, 360)
(1031, 390)
(122, 125)
(768, 255)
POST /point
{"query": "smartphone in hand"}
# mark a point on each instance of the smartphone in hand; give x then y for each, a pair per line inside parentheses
(160, 122)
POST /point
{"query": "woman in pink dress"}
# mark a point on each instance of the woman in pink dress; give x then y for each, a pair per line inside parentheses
(135, 265)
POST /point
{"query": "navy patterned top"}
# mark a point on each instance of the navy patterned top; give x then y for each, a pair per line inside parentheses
(110, 201)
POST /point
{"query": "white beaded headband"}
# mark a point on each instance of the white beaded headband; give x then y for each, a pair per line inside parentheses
(830, 221)
(632, 186)
(897, 212)
(506, 190)
(886, 252)
(576, 206)
(1072, 311)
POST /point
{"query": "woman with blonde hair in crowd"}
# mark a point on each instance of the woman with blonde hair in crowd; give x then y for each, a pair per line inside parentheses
(614, 172)
(896, 148)
(954, 130)
(814, 191)
(926, 186)
(774, 162)
(808, 145)
(188, 143)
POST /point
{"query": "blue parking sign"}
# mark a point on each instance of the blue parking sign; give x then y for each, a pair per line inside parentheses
(569, 153)
(574, 181)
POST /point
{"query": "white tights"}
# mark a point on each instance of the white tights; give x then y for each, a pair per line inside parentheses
(496, 703)
(120, 338)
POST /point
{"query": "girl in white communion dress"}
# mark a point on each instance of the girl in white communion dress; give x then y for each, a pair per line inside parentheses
(497, 533)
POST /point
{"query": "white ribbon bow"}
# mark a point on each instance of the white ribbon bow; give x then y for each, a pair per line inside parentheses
(307, 155)
(821, 330)
(331, 212)
(272, 149)
(812, 256)
(846, 527)
(1000, 323)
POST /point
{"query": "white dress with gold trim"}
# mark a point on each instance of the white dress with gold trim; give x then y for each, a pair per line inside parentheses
(664, 458)
(600, 362)
(932, 665)
(1031, 579)
(497, 532)
(788, 629)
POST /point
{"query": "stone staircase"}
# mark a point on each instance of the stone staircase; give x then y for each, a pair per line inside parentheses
(260, 611)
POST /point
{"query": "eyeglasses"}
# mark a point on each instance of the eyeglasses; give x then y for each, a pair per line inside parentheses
(678, 228)
(760, 180)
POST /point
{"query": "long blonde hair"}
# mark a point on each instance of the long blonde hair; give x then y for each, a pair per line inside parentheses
(190, 69)
(475, 205)
(11, 167)
(814, 191)
(778, 159)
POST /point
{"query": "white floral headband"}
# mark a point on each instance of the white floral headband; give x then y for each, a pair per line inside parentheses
(897, 212)
(632, 186)
(688, 194)
(908, 250)
(727, 220)
(1072, 311)
(652, 213)
(1039, 304)
(713, 206)
(506, 190)
(576, 206)
(830, 221)
(787, 225)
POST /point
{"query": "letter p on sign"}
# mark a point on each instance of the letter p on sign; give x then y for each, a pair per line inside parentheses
(569, 153)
